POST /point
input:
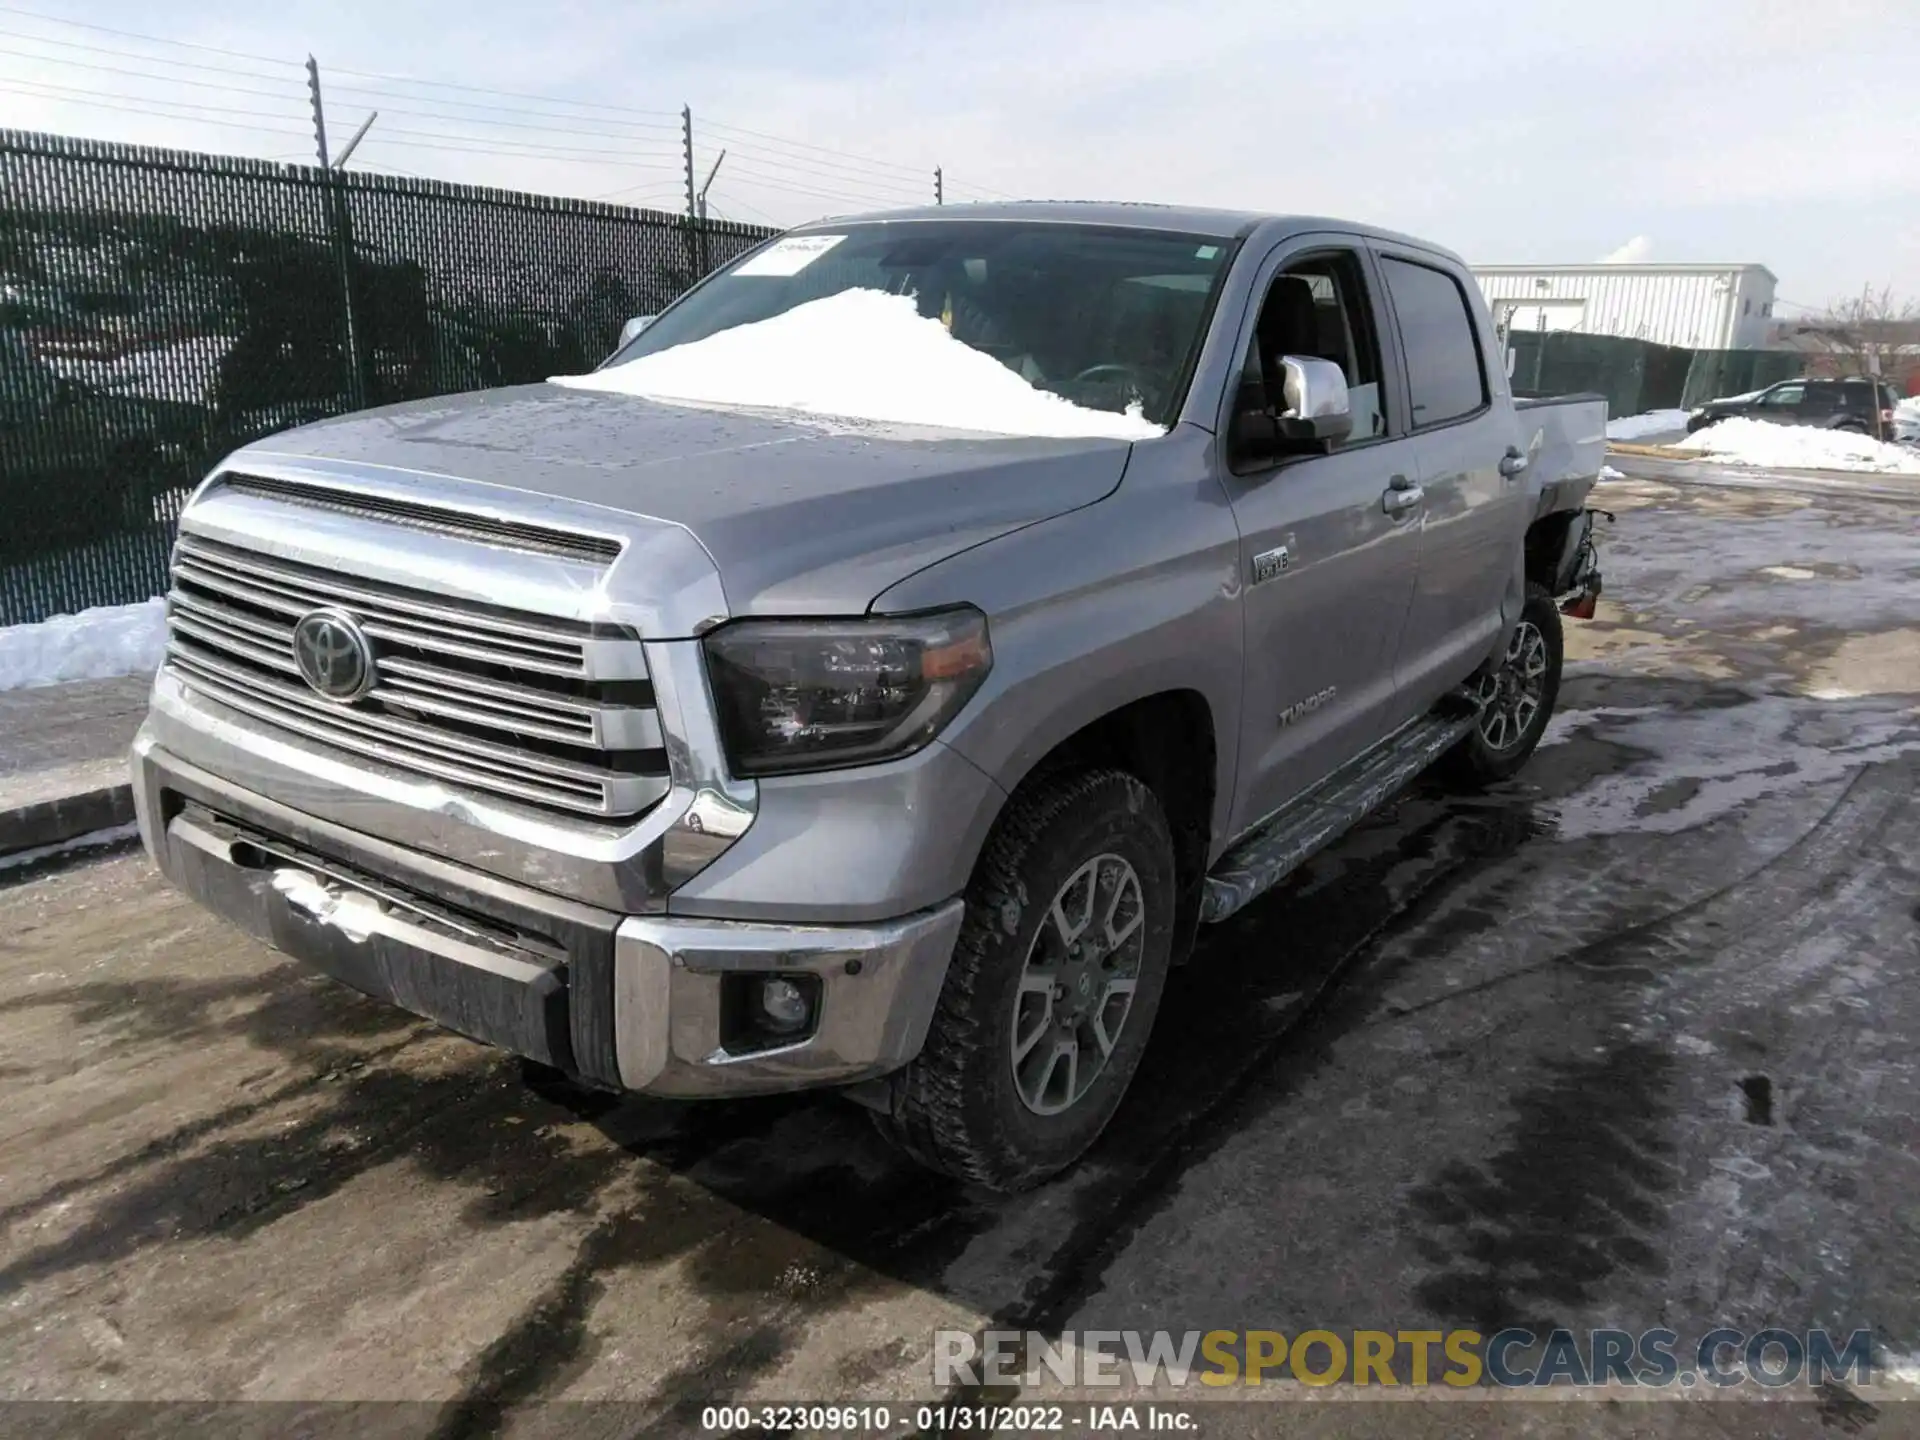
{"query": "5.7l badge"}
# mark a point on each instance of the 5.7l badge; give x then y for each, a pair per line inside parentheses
(1270, 563)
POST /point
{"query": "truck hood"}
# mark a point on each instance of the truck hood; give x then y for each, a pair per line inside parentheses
(799, 514)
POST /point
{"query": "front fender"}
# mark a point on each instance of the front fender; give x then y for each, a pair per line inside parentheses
(1134, 596)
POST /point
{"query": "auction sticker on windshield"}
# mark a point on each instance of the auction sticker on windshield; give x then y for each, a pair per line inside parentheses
(789, 256)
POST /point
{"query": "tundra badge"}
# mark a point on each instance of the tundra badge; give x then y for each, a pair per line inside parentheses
(1307, 706)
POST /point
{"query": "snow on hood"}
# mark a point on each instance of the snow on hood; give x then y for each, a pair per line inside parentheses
(1740, 441)
(860, 355)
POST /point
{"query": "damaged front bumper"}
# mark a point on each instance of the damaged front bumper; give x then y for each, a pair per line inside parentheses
(648, 1003)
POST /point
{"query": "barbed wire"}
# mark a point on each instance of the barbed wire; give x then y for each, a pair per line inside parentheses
(463, 119)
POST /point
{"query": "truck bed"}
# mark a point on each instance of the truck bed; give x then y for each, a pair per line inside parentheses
(1565, 436)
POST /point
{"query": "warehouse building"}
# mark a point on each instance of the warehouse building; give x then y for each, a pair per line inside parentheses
(1699, 307)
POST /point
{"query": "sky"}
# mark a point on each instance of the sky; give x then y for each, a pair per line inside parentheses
(1671, 131)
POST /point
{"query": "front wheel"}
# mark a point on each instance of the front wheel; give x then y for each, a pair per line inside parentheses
(1052, 989)
(1515, 695)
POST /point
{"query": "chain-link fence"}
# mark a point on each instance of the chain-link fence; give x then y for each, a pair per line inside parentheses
(159, 308)
(1636, 375)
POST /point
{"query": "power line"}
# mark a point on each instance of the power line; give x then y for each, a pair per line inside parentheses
(379, 93)
(837, 174)
(511, 149)
(135, 55)
(825, 167)
(488, 142)
(799, 186)
(987, 191)
(144, 75)
(861, 180)
(822, 149)
(131, 35)
(739, 204)
(864, 201)
(383, 96)
(79, 94)
(488, 90)
(16, 87)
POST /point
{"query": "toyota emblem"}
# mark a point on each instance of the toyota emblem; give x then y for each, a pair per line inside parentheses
(333, 654)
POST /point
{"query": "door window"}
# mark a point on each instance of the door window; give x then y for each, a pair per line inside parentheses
(1445, 370)
(1317, 309)
(1783, 397)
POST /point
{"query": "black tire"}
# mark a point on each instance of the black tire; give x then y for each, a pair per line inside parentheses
(1478, 760)
(958, 1108)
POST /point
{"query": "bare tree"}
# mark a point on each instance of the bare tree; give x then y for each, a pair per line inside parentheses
(1862, 335)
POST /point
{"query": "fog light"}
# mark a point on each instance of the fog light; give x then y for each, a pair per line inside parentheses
(783, 1005)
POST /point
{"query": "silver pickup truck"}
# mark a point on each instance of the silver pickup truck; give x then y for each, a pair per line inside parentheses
(706, 746)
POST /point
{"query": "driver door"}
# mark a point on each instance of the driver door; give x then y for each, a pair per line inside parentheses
(1328, 566)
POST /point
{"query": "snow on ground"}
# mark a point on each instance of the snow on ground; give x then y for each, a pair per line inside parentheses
(859, 355)
(1741, 441)
(1654, 422)
(93, 645)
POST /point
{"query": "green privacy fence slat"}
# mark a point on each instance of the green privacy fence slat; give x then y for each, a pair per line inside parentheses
(1636, 375)
(159, 308)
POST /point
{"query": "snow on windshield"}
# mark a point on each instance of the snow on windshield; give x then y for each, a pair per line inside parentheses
(860, 355)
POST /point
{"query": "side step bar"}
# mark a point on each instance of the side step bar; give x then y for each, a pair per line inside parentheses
(1284, 840)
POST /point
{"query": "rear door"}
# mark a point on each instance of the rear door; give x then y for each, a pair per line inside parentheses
(1327, 568)
(1823, 404)
(1472, 510)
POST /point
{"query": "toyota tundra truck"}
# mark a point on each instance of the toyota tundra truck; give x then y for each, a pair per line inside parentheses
(871, 677)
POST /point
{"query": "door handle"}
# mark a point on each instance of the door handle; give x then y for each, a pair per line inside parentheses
(1513, 462)
(1402, 495)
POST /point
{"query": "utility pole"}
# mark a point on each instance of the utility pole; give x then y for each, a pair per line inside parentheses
(693, 200)
(939, 187)
(319, 110)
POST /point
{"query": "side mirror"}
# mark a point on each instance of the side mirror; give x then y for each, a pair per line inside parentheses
(1314, 406)
(632, 328)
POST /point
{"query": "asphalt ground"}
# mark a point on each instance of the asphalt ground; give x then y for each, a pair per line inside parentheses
(1626, 1043)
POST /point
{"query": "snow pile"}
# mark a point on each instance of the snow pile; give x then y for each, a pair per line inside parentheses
(860, 355)
(1798, 447)
(110, 640)
(1654, 422)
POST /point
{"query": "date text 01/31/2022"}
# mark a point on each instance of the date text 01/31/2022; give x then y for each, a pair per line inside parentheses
(985, 1419)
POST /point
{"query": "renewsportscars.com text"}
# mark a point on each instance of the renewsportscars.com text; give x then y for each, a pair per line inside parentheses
(1509, 1358)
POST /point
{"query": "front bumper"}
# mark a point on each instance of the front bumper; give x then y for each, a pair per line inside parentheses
(633, 1002)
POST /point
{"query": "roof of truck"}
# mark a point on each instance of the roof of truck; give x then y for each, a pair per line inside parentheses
(1187, 219)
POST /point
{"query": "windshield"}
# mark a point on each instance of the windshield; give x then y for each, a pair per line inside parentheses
(1108, 319)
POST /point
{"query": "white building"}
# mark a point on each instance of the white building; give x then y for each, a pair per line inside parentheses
(1701, 307)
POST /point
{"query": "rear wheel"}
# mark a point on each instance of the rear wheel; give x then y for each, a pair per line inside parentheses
(1516, 696)
(1052, 989)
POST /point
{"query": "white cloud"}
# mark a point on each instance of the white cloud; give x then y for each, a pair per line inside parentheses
(1636, 251)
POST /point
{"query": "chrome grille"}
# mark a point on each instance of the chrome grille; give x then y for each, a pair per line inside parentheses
(544, 711)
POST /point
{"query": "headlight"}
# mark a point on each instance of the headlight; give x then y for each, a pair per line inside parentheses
(819, 694)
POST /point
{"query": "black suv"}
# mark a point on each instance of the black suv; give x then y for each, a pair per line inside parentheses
(1829, 404)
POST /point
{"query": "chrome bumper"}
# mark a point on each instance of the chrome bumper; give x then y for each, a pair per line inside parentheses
(634, 1002)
